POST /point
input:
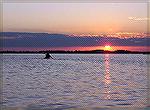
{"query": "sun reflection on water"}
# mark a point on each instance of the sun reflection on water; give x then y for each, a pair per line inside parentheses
(107, 78)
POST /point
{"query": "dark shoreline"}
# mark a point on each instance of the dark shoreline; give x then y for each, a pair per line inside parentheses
(76, 52)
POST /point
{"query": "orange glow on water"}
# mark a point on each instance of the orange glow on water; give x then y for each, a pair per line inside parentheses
(107, 72)
(107, 78)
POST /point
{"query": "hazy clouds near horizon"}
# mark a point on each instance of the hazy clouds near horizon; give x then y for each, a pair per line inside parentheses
(59, 40)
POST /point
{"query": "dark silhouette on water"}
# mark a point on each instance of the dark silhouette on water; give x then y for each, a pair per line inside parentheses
(47, 56)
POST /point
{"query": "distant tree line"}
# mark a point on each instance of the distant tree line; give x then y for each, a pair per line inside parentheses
(79, 52)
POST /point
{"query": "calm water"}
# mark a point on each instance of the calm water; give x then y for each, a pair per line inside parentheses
(74, 81)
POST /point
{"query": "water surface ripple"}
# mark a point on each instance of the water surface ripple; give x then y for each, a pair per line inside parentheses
(74, 81)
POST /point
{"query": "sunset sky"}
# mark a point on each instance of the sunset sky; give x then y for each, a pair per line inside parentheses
(76, 18)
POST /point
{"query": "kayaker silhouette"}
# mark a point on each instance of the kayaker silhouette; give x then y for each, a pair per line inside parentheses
(47, 56)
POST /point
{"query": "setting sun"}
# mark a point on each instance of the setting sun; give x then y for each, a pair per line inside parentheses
(108, 48)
